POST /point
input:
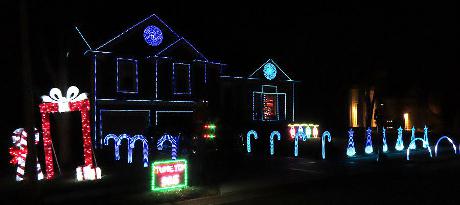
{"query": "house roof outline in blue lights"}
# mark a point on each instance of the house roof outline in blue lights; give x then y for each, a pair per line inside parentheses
(270, 61)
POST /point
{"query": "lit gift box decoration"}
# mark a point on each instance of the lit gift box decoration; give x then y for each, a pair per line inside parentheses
(168, 175)
(73, 102)
(88, 173)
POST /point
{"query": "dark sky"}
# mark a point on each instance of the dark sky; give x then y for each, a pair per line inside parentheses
(328, 46)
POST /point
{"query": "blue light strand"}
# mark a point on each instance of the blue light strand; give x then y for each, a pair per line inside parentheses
(399, 142)
(425, 137)
(248, 139)
(145, 148)
(174, 144)
(444, 138)
(130, 151)
(412, 138)
(272, 143)
(351, 144)
(369, 149)
(189, 87)
(413, 143)
(323, 143)
(384, 138)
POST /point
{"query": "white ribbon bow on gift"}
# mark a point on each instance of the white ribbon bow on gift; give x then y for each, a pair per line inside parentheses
(63, 102)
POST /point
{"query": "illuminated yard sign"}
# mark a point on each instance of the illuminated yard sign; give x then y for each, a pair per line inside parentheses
(171, 174)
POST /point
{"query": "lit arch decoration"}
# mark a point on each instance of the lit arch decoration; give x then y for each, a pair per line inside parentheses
(325, 135)
(272, 141)
(174, 144)
(248, 139)
(72, 102)
(413, 142)
(444, 138)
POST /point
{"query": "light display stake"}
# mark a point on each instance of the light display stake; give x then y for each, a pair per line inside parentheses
(73, 101)
(272, 141)
(369, 149)
(145, 148)
(384, 138)
(174, 144)
(425, 137)
(323, 143)
(412, 138)
(399, 142)
(351, 144)
(444, 138)
(40, 175)
(413, 142)
(169, 175)
(248, 139)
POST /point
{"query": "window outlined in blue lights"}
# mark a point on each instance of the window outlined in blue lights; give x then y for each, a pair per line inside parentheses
(188, 90)
(136, 86)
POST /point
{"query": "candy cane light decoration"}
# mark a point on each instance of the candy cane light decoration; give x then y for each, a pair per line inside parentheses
(172, 140)
(145, 147)
(272, 141)
(73, 102)
(323, 142)
(19, 152)
(248, 139)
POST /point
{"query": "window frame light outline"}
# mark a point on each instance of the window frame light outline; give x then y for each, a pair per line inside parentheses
(137, 76)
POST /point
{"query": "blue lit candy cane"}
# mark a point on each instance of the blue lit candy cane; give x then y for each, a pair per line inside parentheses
(399, 142)
(412, 138)
(272, 141)
(328, 135)
(450, 141)
(413, 142)
(351, 144)
(172, 140)
(384, 138)
(130, 151)
(145, 148)
(115, 139)
(248, 139)
(299, 134)
(369, 149)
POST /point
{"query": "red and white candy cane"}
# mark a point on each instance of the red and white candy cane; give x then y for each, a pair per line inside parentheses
(19, 153)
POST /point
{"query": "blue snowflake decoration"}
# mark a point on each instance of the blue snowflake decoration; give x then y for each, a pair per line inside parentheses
(153, 35)
(269, 71)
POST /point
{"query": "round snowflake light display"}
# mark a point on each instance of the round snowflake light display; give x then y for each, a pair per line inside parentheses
(269, 71)
(153, 35)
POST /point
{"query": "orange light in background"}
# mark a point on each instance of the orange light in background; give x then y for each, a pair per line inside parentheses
(406, 121)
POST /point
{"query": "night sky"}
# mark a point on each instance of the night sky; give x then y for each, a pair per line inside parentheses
(407, 48)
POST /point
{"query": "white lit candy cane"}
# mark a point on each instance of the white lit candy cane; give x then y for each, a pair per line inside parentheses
(248, 139)
(19, 153)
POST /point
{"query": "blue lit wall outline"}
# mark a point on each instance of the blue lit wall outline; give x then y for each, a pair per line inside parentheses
(272, 141)
(189, 83)
(169, 111)
(248, 139)
(444, 138)
(413, 142)
(323, 142)
(105, 110)
(95, 103)
(119, 90)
